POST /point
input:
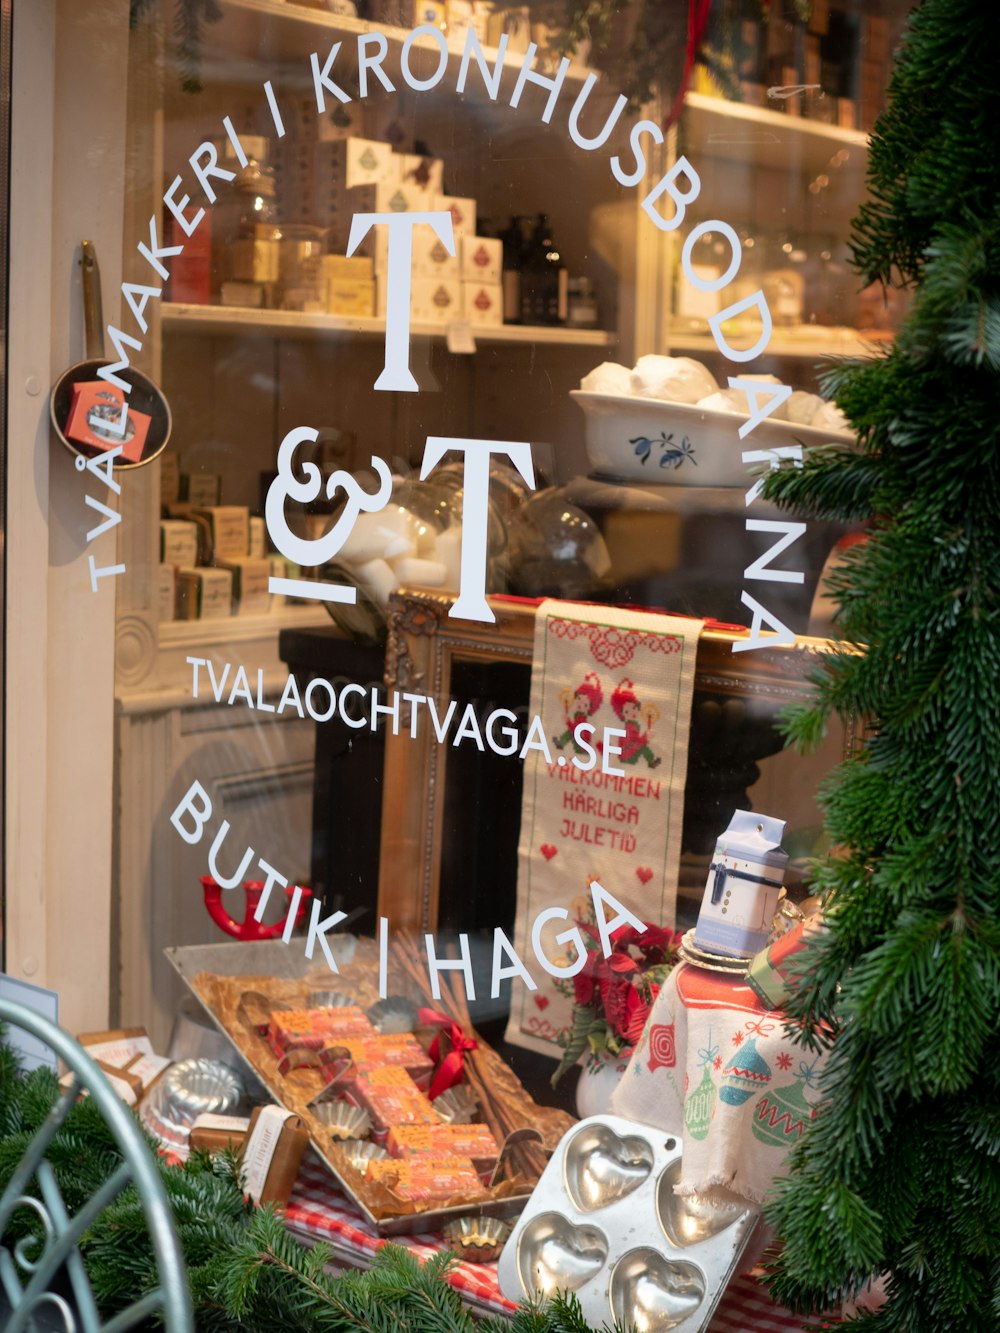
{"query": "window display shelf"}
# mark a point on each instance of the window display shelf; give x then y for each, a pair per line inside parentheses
(292, 32)
(238, 629)
(735, 131)
(810, 343)
(178, 317)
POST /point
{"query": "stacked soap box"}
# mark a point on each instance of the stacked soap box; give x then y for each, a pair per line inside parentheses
(327, 177)
(213, 558)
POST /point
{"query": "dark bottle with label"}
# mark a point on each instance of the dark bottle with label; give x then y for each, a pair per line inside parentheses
(544, 279)
(512, 239)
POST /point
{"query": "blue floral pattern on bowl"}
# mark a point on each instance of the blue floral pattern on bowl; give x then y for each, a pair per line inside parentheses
(672, 453)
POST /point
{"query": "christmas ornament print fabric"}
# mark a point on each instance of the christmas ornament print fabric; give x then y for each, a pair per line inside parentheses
(716, 1067)
(613, 691)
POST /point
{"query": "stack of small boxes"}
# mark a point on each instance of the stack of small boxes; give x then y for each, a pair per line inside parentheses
(327, 174)
(213, 558)
(429, 1161)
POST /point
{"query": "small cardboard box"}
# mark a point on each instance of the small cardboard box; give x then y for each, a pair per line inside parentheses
(481, 259)
(348, 296)
(127, 1057)
(350, 162)
(224, 532)
(463, 213)
(435, 300)
(170, 478)
(251, 595)
(275, 1144)
(204, 594)
(95, 409)
(218, 1133)
(258, 537)
(425, 175)
(178, 542)
(482, 303)
(166, 592)
(395, 197)
(201, 489)
(430, 257)
(359, 268)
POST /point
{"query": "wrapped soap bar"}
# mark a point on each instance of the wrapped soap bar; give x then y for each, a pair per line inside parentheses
(402, 1050)
(426, 1179)
(391, 1097)
(216, 1133)
(473, 1141)
(316, 1028)
(272, 1154)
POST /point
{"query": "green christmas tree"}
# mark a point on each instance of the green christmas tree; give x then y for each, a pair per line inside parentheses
(901, 1172)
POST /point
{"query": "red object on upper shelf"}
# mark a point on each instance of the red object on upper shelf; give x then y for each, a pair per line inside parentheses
(249, 929)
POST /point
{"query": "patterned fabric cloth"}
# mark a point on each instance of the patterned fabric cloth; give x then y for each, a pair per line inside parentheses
(605, 799)
(715, 1067)
(318, 1211)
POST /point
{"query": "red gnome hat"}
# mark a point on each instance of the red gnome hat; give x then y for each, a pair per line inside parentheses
(591, 687)
(623, 695)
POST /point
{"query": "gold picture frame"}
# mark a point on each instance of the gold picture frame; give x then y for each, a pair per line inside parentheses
(424, 644)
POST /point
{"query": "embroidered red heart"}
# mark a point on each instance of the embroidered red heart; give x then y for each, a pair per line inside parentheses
(644, 873)
(542, 1001)
(548, 851)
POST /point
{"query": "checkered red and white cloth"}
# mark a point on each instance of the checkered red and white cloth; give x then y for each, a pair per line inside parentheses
(319, 1211)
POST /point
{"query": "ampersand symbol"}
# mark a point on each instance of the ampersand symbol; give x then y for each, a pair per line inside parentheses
(287, 485)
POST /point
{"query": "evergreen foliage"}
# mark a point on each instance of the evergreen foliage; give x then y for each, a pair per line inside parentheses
(247, 1274)
(900, 1173)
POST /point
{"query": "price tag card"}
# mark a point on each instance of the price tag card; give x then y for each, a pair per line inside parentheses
(460, 338)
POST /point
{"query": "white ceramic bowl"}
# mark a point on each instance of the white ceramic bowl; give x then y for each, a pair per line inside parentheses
(655, 443)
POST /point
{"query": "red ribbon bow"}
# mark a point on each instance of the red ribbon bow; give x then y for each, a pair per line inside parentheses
(449, 1071)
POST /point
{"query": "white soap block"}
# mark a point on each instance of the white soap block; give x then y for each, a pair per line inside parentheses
(378, 580)
(449, 554)
(608, 377)
(421, 573)
(738, 400)
(829, 417)
(389, 533)
(802, 407)
(674, 379)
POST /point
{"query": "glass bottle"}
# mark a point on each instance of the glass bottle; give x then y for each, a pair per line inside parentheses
(246, 239)
(544, 278)
(512, 239)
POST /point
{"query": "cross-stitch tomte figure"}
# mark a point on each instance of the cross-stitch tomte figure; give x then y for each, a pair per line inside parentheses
(579, 707)
(635, 746)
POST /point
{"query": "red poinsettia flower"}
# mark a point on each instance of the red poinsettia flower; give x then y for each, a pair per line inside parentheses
(583, 986)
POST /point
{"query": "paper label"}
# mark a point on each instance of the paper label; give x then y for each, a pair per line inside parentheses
(260, 1149)
(229, 1124)
(459, 338)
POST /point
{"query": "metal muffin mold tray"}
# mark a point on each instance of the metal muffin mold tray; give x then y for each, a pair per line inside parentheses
(393, 1015)
(358, 1153)
(476, 1239)
(457, 1106)
(343, 1120)
(604, 1222)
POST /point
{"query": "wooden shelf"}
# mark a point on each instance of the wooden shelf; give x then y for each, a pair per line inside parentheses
(238, 629)
(756, 136)
(808, 344)
(283, 32)
(236, 322)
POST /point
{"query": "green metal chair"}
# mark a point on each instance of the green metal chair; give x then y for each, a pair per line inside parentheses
(26, 1276)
